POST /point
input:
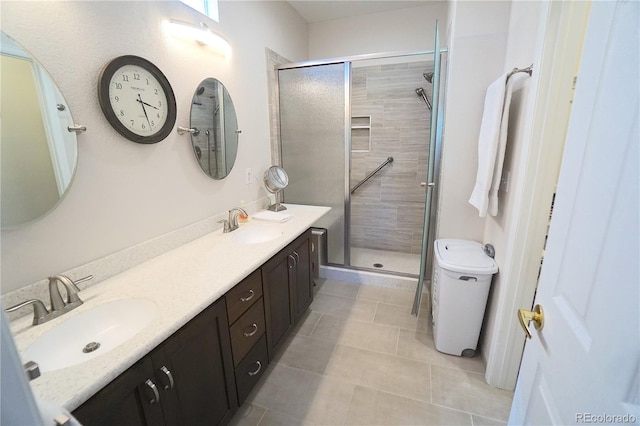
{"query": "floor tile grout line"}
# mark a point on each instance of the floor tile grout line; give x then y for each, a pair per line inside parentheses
(316, 324)
(353, 393)
(470, 413)
(263, 414)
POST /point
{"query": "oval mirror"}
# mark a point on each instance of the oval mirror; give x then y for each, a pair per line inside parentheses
(38, 151)
(214, 128)
(275, 180)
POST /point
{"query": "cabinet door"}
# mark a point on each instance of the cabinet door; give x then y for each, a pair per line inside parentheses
(129, 400)
(277, 297)
(303, 284)
(194, 371)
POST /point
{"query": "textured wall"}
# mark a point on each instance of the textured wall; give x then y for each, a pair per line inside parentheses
(387, 212)
(125, 193)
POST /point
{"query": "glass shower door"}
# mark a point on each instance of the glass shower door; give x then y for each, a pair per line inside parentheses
(427, 249)
(315, 139)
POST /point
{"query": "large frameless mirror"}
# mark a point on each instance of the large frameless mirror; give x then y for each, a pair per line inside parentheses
(214, 128)
(39, 151)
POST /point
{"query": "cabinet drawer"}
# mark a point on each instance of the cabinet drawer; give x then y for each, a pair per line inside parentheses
(243, 296)
(246, 331)
(251, 369)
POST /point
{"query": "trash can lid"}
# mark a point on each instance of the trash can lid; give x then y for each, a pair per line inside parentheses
(464, 256)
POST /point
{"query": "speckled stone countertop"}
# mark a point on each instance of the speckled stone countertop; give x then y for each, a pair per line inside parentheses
(182, 282)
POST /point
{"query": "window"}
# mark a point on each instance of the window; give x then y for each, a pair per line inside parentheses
(206, 7)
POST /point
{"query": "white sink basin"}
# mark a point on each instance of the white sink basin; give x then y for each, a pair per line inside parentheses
(109, 324)
(255, 234)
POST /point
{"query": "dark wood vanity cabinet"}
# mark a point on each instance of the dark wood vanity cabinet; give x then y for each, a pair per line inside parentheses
(200, 374)
(125, 401)
(288, 290)
(245, 307)
(187, 380)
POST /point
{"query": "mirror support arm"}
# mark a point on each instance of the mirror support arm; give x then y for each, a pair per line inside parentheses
(77, 128)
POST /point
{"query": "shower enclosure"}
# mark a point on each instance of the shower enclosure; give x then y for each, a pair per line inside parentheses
(355, 136)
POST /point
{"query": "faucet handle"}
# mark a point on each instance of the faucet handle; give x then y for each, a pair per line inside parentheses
(227, 228)
(39, 310)
(81, 280)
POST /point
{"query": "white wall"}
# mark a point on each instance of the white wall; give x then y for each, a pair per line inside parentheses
(476, 58)
(520, 52)
(410, 29)
(125, 193)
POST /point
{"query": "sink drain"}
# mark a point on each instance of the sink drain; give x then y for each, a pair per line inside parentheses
(90, 347)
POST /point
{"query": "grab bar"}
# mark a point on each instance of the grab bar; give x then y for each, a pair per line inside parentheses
(389, 160)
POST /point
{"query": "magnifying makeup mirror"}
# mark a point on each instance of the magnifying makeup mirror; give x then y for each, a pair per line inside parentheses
(275, 180)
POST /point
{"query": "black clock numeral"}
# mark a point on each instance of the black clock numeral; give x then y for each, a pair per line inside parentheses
(158, 115)
(117, 99)
(118, 85)
(155, 91)
(136, 76)
(125, 77)
(122, 113)
(153, 123)
(143, 126)
(132, 123)
(159, 103)
(147, 81)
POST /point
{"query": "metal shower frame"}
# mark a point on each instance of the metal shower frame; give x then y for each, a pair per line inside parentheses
(435, 173)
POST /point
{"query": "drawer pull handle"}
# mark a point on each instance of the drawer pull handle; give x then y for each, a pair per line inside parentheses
(253, 373)
(246, 299)
(156, 395)
(167, 373)
(252, 332)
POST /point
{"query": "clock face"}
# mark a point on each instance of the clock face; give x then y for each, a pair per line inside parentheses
(137, 99)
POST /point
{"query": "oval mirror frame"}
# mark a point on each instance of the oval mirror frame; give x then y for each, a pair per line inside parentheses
(39, 150)
(214, 128)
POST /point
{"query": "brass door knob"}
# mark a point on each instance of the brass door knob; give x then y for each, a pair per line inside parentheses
(537, 316)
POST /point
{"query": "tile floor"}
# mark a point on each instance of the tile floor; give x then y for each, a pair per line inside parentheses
(360, 358)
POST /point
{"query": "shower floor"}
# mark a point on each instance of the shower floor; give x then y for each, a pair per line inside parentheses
(391, 261)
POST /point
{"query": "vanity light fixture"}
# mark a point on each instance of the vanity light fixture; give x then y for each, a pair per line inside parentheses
(202, 35)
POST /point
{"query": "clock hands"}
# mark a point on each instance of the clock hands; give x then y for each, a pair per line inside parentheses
(142, 104)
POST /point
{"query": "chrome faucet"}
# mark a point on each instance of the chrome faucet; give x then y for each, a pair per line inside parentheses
(232, 223)
(58, 305)
(233, 217)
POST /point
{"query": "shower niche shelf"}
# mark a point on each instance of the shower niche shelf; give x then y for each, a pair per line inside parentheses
(361, 133)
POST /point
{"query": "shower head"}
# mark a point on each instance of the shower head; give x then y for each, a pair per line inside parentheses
(428, 76)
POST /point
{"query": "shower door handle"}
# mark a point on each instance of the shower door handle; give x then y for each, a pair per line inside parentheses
(425, 184)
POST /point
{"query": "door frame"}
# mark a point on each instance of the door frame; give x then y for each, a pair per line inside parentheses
(560, 38)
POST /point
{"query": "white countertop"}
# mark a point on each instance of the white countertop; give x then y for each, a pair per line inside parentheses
(182, 282)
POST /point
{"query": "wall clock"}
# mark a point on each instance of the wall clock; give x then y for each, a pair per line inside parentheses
(137, 99)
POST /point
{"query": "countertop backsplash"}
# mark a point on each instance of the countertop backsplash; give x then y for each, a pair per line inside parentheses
(108, 266)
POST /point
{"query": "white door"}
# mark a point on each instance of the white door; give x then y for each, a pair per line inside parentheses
(583, 366)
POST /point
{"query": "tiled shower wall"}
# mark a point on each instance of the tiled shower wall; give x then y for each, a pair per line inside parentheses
(387, 212)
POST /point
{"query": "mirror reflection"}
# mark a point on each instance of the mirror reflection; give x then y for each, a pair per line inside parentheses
(275, 180)
(214, 128)
(38, 153)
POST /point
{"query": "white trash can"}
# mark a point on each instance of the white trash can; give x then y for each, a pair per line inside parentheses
(460, 286)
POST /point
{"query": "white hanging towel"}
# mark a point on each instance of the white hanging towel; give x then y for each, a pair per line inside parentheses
(502, 145)
(491, 147)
